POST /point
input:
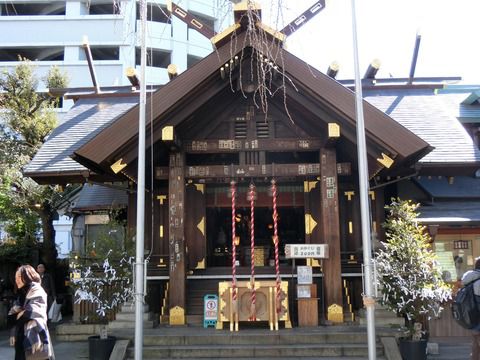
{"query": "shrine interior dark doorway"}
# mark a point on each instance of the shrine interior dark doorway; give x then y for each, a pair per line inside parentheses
(291, 230)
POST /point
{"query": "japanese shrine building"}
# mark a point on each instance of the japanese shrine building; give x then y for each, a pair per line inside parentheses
(223, 126)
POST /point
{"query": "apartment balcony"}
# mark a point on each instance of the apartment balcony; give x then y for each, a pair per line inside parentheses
(59, 29)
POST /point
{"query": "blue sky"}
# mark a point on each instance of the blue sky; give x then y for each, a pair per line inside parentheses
(387, 30)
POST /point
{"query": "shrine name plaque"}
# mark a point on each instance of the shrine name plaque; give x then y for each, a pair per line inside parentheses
(306, 251)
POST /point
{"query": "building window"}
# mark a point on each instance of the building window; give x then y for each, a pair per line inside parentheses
(454, 255)
(100, 237)
(32, 53)
(155, 58)
(111, 8)
(32, 9)
(156, 13)
(105, 53)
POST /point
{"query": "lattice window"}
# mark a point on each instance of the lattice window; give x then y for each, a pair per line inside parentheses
(240, 127)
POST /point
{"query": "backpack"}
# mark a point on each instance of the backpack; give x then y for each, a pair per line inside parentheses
(464, 307)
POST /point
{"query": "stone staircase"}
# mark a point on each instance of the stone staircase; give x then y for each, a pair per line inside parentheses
(125, 318)
(383, 317)
(333, 342)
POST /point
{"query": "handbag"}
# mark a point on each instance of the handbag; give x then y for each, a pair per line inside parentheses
(42, 354)
(54, 314)
(38, 355)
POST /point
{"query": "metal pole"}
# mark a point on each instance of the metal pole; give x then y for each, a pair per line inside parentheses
(139, 253)
(368, 298)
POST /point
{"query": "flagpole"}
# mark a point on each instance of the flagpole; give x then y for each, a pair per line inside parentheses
(368, 298)
(140, 233)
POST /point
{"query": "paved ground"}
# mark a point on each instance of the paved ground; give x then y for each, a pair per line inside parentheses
(454, 348)
(63, 350)
(449, 349)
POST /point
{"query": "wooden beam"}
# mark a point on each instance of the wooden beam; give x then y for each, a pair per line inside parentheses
(235, 145)
(169, 137)
(190, 20)
(303, 18)
(333, 134)
(91, 67)
(236, 171)
(330, 225)
(129, 152)
(176, 196)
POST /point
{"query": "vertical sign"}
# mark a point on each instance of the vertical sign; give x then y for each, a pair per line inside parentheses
(210, 310)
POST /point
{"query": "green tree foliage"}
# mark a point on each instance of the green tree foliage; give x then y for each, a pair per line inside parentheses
(28, 117)
(410, 280)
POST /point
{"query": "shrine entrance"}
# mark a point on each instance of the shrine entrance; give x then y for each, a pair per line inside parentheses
(291, 230)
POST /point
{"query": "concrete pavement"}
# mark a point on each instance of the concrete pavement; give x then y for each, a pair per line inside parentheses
(452, 348)
(63, 350)
(455, 348)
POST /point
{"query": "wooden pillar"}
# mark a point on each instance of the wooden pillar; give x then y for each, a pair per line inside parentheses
(195, 220)
(176, 196)
(330, 225)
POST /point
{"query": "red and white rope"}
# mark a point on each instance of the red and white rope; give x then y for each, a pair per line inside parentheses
(275, 241)
(252, 252)
(233, 192)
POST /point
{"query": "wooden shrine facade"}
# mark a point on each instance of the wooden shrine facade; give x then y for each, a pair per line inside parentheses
(210, 127)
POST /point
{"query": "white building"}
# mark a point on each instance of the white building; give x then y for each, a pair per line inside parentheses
(53, 32)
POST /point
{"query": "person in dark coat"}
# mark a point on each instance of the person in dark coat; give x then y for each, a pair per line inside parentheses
(48, 285)
(28, 316)
(467, 278)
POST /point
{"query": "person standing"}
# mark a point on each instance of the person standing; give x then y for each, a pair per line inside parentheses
(48, 285)
(467, 278)
(30, 334)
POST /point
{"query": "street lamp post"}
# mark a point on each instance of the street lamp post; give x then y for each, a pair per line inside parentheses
(368, 298)
(140, 234)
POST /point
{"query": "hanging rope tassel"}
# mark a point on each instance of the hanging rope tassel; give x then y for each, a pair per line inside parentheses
(233, 192)
(275, 241)
(253, 316)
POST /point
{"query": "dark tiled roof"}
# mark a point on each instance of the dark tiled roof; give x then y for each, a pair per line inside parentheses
(82, 122)
(450, 212)
(185, 94)
(461, 187)
(96, 197)
(433, 118)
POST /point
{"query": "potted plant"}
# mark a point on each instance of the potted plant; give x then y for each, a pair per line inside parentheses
(409, 277)
(105, 280)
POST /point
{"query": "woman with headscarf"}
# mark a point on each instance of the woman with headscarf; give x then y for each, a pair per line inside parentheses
(30, 334)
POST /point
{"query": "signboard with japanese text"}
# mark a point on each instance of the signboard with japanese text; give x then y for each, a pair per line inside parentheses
(304, 292)
(304, 274)
(306, 251)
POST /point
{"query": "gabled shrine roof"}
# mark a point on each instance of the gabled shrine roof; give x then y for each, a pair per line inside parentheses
(96, 197)
(180, 98)
(450, 188)
(82, 122)
(434, 118)
(406, 124)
